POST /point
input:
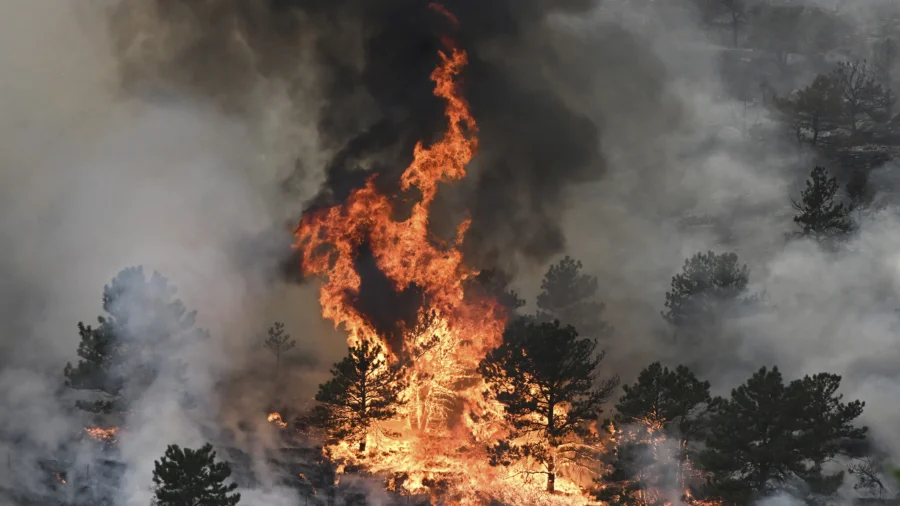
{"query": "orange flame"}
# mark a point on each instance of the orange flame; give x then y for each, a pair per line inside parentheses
(453, 333)
(101, 434)
(439, 439)
(275, 417)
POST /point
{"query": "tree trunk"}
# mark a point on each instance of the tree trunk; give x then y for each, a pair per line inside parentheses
(551, 478)
(362, 446)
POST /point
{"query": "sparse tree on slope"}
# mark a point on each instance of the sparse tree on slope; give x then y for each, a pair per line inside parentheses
(145, 327)
(364, 389)
(864, 101)
(547, 377)
(568, 295)
(818, 215)
(710, 287)
(814, 112)
(186, 477)
(279, 342)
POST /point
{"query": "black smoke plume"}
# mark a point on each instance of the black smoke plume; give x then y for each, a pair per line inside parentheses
(372, 61)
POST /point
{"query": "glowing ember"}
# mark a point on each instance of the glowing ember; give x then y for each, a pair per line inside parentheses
(100, 434)
(275, 417)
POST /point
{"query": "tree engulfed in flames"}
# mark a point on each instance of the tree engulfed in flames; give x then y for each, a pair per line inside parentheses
(275, 417)
(446, 423)
(437, 443)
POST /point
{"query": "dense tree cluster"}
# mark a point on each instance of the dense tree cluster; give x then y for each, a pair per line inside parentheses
(186, 477)
(766, 437)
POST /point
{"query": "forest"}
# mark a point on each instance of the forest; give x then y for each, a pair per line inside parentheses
(512, 252)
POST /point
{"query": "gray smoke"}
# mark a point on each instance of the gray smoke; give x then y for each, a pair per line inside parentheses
(180, 135)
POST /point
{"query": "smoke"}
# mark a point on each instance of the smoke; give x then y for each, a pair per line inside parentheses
(188, 136)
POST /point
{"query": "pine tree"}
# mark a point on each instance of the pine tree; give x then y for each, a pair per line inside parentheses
(548, 380)
(656, 419)
(770, 436)
(710, 287)
(824, 428)
(819, 217)
(138, 339)
(750, 448)
(364, 390)
(569, 296)
(814, 112)
(278, 342)
(186, 477)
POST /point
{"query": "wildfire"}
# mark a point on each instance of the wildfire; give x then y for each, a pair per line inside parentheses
(60, 478)
(439, 437)
(275, 417)
(100, 434)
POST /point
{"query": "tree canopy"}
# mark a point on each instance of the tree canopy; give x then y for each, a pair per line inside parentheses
(770, 437)
(186, 477)
(569, 295)
(709, 287)
(548, 379)
(818, 215)
(278, 342)
(656, 418)
(139, 338)
(363, 390)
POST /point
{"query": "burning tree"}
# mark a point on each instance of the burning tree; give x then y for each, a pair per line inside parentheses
(145, 327)
(770, 436)
(569, 296)
(364, 390)
(186, 477)
(656, 420)
(547, 378)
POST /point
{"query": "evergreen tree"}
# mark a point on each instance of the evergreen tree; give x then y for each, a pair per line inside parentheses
(709, 288)
(771, 437)
(569, 296)
(186, 477)
(814, 112)
(364, 389)
(818, 215)
(751, 448)
(656, 419)
(145, 327)
(278, 342)
(548, 380)
(824, 428)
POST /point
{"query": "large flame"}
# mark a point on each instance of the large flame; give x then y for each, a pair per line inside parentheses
(437, 444)
(453, 333)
